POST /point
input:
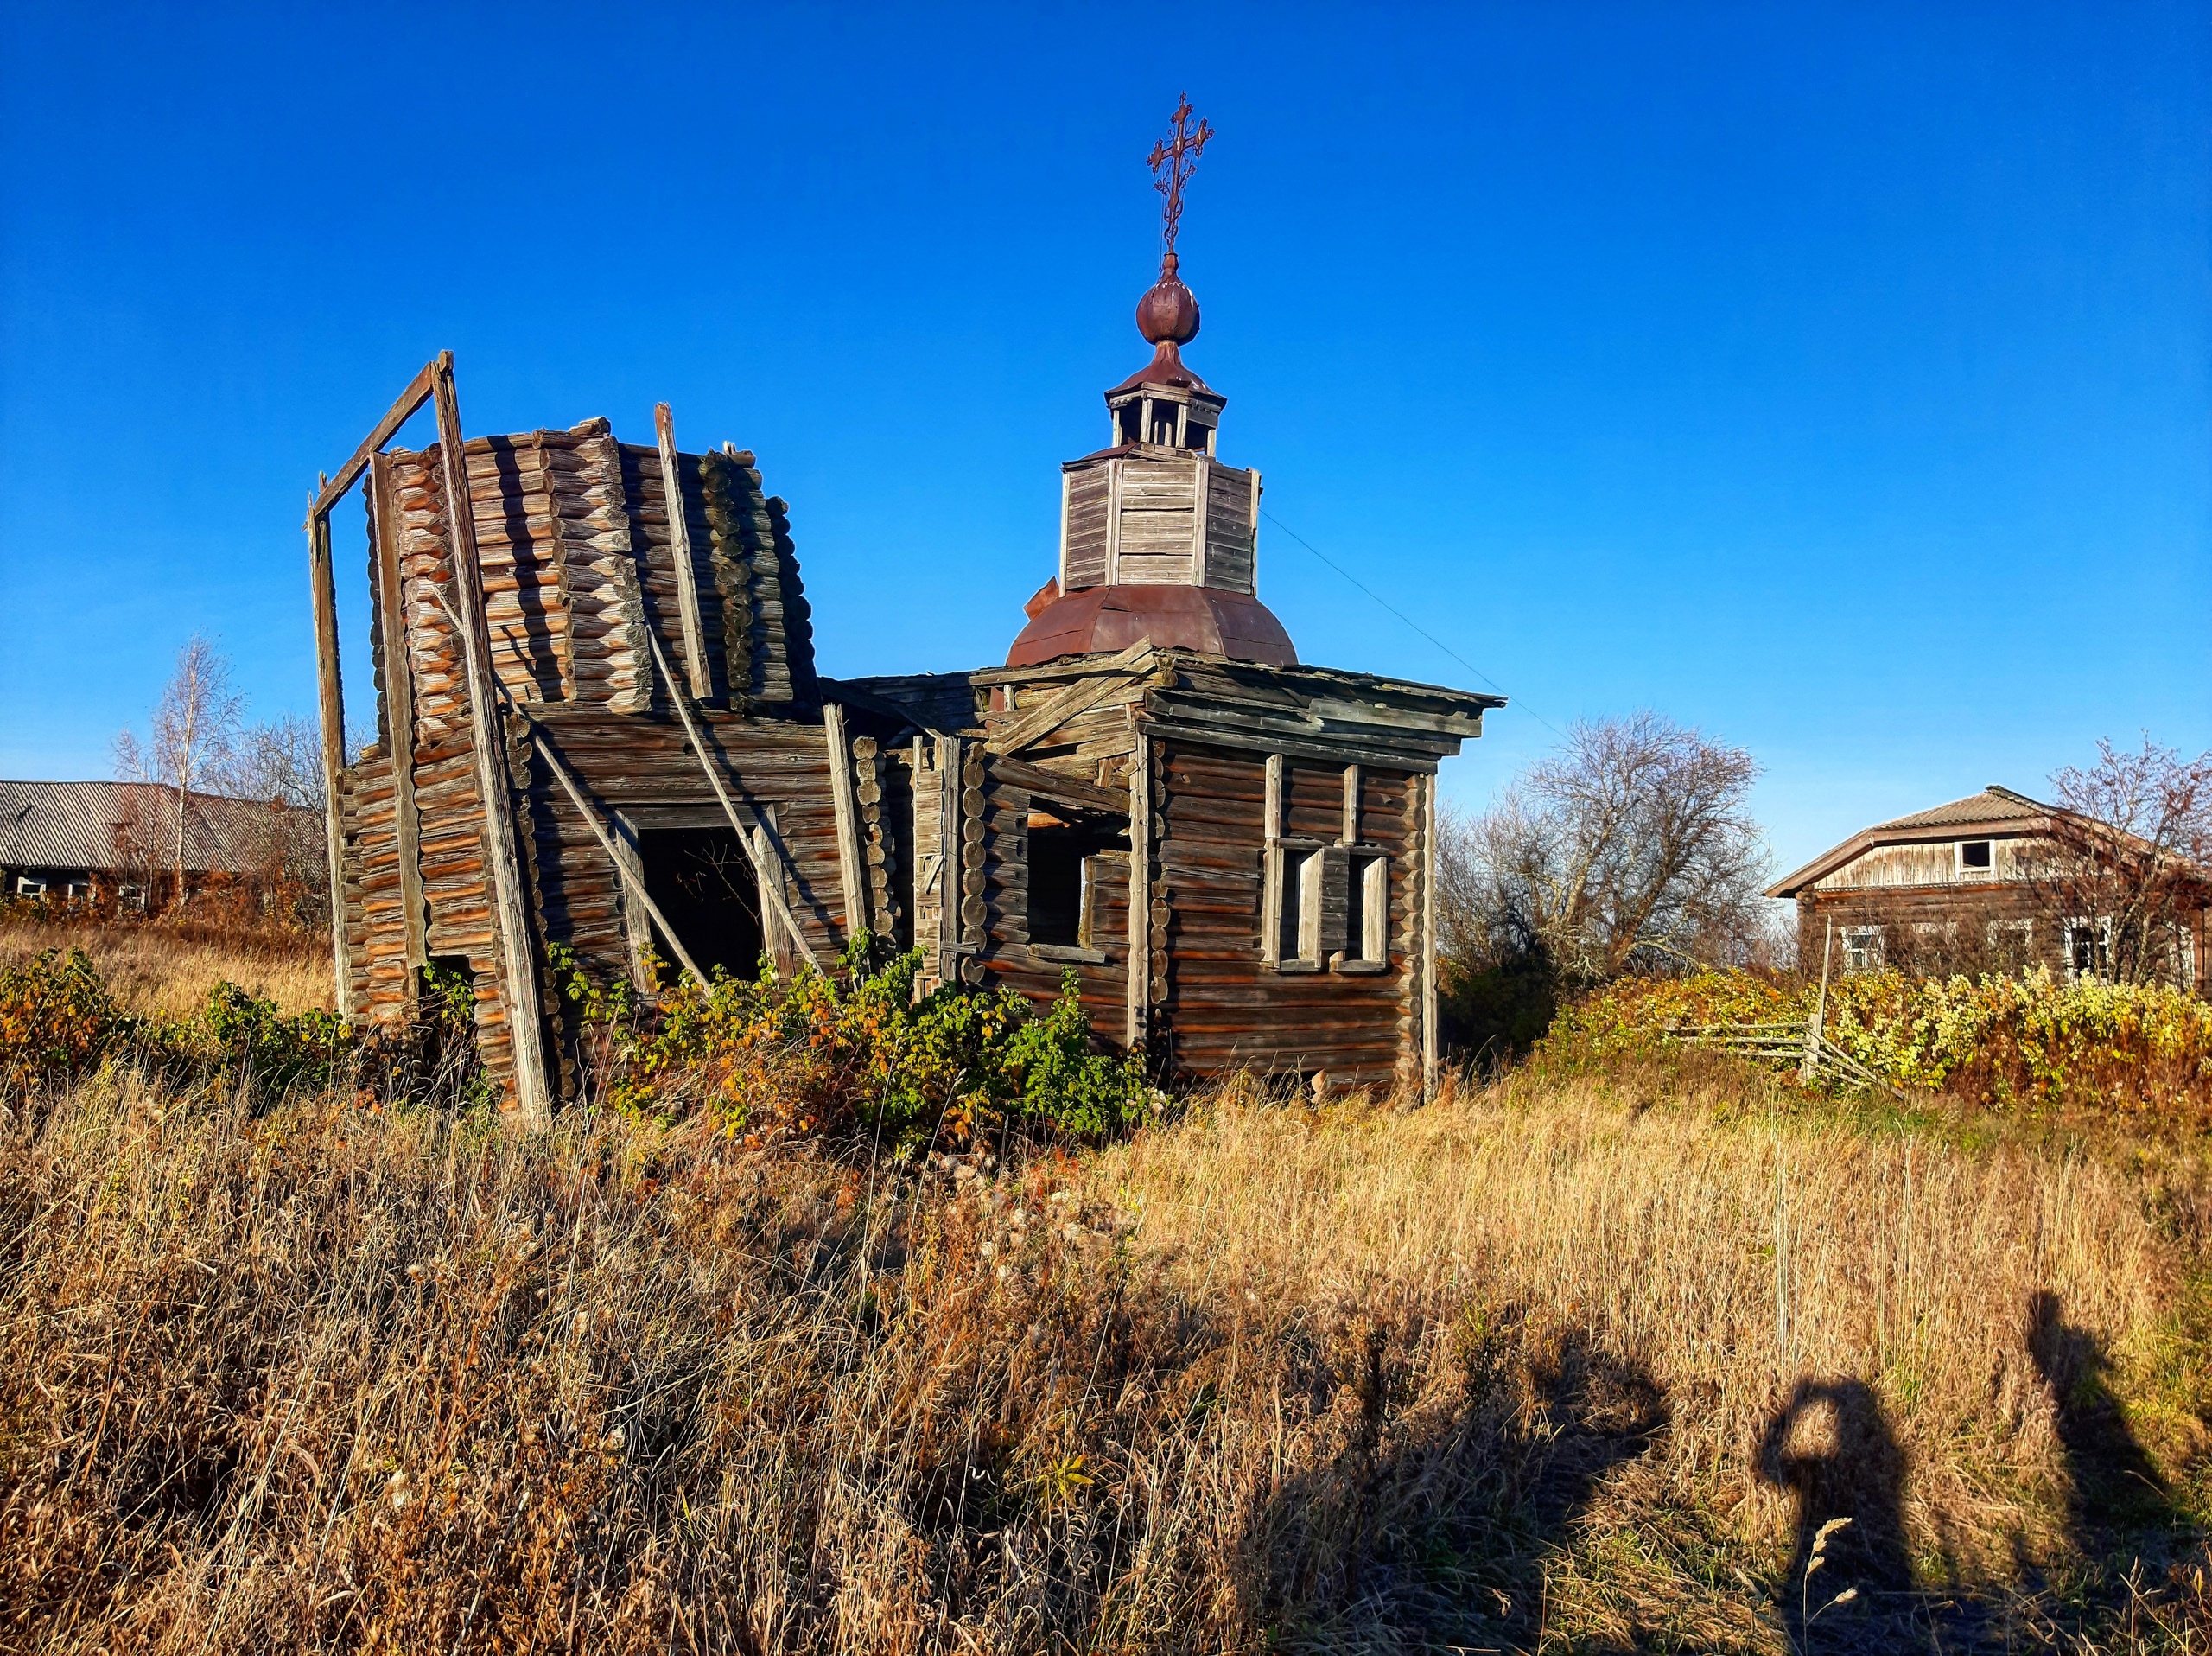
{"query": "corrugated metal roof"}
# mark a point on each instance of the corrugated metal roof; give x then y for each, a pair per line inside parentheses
(1991, 806)
(116, 826)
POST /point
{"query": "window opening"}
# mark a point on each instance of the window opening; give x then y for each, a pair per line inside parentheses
(703, 882)
(2088, 948)
(1064, 855)
(1976, 854)
(1367, 909)
(1862, 948)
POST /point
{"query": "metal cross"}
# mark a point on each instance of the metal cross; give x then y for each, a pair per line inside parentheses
(1174, 158)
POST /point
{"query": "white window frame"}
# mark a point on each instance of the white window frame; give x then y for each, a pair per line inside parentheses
(1854, 940)
(28, 886)
(1961, 867)
(2074, 927)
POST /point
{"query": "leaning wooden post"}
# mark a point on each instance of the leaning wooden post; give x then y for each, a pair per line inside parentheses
(679, 546)
(510, 911)
(1816, 1027)
(331, 696)
(391, 596)
(1140, 894)
(848, 823)
(1429, 1043)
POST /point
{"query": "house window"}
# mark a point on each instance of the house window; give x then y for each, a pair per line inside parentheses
(1975, 857)
(28, 886)
(1064, 866)
(1297, 882)
(132, 898)
(2088, 948)
(1862, 948)
(1367, 912)
(2012, 943)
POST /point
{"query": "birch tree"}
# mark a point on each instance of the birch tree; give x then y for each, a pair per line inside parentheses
(193, 739)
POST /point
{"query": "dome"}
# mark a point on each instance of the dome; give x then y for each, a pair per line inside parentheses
(1106, 619)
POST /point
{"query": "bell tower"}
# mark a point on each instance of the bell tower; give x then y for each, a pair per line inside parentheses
(1158, 539)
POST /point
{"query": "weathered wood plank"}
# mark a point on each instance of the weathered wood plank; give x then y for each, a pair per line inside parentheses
(519, 995)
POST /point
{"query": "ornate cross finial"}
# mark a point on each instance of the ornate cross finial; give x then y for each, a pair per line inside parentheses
(1174, 158)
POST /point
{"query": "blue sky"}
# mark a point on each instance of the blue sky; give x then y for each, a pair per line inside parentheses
(1834, 379)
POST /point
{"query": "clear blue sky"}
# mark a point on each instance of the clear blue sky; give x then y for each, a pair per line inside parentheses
(1833, 380)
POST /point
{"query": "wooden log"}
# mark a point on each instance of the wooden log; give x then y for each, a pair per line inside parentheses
(519, 998)
(333, 489)
(849, 835)
(1428, 1031)
(1080, 697)
(686, 575)
(1139, 1005)
(323, 593)
(399, 698)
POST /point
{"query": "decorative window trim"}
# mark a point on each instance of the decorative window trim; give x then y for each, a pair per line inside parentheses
(1856, 939)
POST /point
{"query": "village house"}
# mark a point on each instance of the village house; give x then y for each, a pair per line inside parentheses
(599, 725)
(114, 844)
(1969, 886)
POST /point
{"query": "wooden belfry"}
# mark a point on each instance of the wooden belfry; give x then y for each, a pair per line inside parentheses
(599, 728)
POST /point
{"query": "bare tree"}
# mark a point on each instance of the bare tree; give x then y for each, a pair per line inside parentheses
(195, 734)
(2122, 865)
(1632, 847)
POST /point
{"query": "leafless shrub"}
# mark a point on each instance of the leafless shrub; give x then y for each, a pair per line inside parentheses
(2121, 868)
(1632, 848)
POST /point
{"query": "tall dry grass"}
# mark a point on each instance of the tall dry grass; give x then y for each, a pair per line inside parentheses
(166, 966)
(1832, 1321)
(1503, 1373)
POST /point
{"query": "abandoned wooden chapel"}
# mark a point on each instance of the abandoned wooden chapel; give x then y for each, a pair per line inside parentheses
(599, 728)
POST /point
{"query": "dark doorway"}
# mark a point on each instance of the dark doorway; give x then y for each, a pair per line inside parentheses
(703, 880)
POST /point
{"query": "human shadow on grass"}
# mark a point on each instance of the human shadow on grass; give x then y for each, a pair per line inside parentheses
(2114, 1490)
(1831, 1446)
(1429, 1525)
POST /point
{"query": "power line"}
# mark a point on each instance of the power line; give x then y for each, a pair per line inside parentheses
(1407, 619)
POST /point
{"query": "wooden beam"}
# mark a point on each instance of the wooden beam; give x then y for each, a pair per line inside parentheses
(1059, 789)
(510, 915)
(1078, 697)
(849, 868)
(1428, 1031)
(679, 542)
(323, 592)
(952, 768)
(390, 598)
(751, 833)
(418, 391)
(623, 871)
(1351, 805)
(1140, 974)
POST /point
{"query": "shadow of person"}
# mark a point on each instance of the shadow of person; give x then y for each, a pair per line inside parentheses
(1832, 1447)
(1431, 1528)
(2113, 1484)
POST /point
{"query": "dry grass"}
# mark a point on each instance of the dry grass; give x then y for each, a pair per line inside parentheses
(168, 967)
(1831, 1322)
(1495, 1375)
(1556, 1364)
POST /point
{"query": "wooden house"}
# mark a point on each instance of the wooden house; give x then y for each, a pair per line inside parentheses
(600, 728)
(115, 845)
(1966, 887)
